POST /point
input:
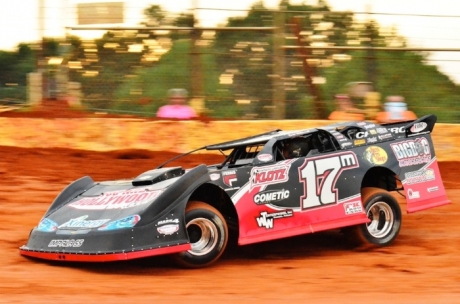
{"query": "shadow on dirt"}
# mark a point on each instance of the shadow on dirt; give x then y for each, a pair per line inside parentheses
(310, 246)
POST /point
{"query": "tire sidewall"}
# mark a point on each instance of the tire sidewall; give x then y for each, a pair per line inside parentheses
(391, 236)
(191, 260)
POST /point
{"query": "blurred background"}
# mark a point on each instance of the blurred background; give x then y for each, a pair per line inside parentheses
(239, 60)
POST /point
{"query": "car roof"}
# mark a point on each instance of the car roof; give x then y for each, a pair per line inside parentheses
(280, 135)
(258, 139)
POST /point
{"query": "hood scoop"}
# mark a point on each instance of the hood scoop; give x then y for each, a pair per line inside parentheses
(154, 176)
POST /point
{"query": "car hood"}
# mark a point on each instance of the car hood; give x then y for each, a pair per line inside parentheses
(112, 204)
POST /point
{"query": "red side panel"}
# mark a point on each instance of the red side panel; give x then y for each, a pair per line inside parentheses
(424, 188)
(77, 257)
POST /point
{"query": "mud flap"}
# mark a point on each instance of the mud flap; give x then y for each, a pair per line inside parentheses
(426, 189)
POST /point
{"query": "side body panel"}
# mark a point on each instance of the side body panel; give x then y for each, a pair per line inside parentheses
(323, 191)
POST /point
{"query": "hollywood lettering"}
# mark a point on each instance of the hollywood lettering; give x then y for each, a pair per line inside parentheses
(116, 200)
(269, 175)
(412, 152)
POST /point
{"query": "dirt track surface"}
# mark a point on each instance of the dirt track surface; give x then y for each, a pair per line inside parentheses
(422, 266)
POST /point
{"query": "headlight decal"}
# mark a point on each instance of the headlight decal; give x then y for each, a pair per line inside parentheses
(127, 222)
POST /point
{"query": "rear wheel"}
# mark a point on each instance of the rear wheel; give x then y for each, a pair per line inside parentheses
(384, 214)
(208, 235)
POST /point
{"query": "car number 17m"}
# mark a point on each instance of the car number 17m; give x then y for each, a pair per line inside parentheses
(320, 175)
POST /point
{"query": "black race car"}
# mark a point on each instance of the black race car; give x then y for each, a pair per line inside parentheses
(269, 186)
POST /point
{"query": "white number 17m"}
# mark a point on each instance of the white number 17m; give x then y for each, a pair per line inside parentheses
(320, 175)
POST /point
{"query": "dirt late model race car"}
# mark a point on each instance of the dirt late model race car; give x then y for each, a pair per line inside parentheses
(269, 186)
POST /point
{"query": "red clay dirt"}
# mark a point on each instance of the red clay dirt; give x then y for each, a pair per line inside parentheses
(421, 266)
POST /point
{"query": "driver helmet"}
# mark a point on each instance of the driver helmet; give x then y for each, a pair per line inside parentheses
(295, 148)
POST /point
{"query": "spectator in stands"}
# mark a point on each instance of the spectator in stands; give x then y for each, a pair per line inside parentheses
(345, 109)
(177, 107)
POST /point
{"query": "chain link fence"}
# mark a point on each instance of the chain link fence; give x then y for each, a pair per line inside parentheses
(279, 64)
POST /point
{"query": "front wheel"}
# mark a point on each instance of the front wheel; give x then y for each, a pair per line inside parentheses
(384, 214)
(208, 235)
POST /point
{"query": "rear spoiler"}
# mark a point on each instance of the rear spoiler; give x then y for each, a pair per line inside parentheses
(419, 126)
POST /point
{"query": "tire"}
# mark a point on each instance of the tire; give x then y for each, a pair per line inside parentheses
(385, 214)
(208, 235)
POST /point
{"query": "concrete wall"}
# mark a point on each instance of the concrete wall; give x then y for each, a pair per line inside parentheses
(105, 134)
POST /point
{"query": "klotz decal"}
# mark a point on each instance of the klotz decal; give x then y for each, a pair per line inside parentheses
(269, 175)
(375, 155)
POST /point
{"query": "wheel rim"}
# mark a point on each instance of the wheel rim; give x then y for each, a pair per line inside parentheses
(382, 219)
(203, 236)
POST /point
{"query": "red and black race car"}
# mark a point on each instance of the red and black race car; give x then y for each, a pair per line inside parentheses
(269, 186)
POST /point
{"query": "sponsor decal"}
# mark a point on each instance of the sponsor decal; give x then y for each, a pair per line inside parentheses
(361, 134)
(168, 221)
(66, 243)
(382, 130)
(353, 208)
(47, 225)
(371, 140)
(81, 222)
(373, 132)
(412, 152)
(369, 126)
(413, 194)
(127, 222)
(419, 176)
(361, 123)
(214, 176)
(345, 144)
(168, 229)
(168, 226)
(319, 176)
(375, 155)
(359, 142)
(398, 130)
(228, 177)
(266, 219)
(433, 189)
(265, 157)
(384, 136)
(270, 196)
(269, 175)
(121, 199)
(418, 127)
(339, 136)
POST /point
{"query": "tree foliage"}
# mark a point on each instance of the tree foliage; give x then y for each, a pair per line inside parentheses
(126, 80)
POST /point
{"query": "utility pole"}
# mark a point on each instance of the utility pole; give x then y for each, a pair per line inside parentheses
(309, 71)
(279, 97)
(196, 74)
